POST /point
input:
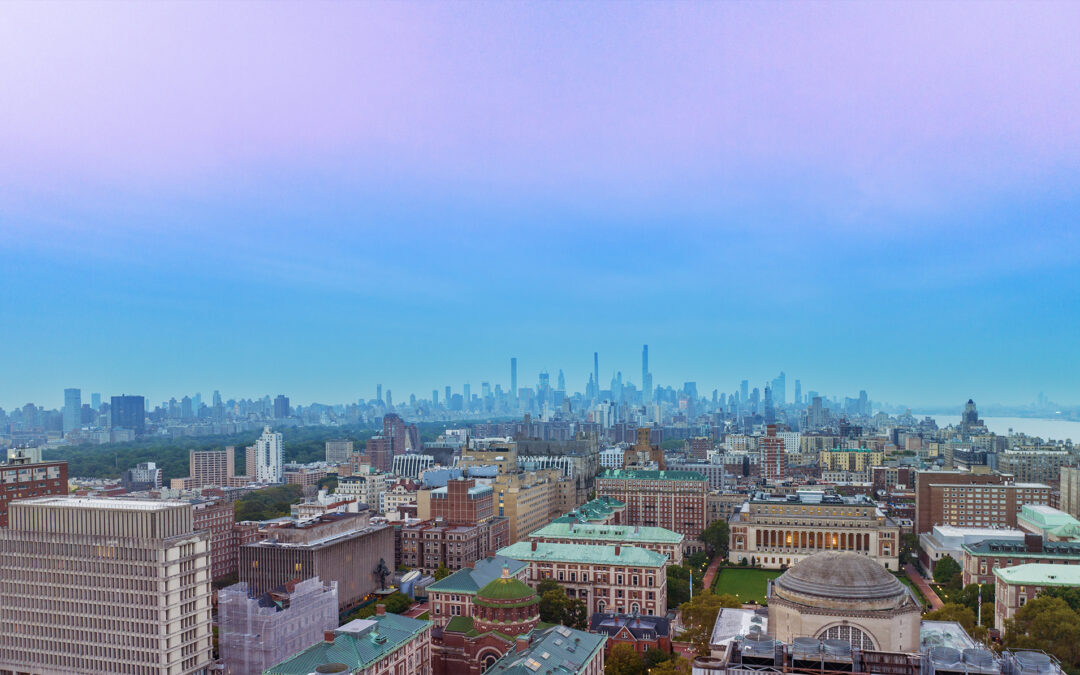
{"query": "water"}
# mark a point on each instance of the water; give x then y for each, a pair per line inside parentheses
(1057, 430)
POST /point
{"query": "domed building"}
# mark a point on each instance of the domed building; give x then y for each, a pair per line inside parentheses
(844, 596)
(502, 610)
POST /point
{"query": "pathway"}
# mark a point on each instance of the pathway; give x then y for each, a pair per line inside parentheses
(931, 596)
(710, 573)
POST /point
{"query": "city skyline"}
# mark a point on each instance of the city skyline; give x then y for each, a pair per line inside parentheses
(405, 190)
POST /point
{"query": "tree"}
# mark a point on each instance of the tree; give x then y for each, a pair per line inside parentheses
(962, 614)
(945, 568)
(715, 538)
(675, 666)
(624, 660)
(969, 596)
(1049, 624)
(441, 572)
(678, 584)
(1070, 594)
(576, 614)
(655, 656)
(546, 585)
(553, 606)
(699, 615)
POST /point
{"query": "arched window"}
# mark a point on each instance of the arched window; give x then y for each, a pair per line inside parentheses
(600, 606)
(488, 661)
(634, 607)
(856, 637)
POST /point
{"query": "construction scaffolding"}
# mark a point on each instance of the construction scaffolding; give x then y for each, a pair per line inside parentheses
(256, 632)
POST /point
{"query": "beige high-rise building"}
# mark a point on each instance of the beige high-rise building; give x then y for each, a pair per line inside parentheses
(1070, 490)
(104, 586)
(212, 467)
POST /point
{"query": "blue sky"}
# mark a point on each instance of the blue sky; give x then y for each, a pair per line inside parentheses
(313, 202)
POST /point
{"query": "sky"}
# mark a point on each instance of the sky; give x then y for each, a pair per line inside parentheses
(314, 198)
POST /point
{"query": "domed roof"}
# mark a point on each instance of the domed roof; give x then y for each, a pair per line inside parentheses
(506, 588)
(841, 580)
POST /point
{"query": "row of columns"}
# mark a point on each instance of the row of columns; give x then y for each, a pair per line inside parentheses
(821, 541)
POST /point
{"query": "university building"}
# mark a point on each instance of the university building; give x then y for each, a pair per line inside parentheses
(674, 500)
(779, 531)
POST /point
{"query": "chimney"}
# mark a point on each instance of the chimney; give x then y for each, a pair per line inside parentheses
(534, 545)
(1033, 543)
(380, 609)
(328, 636)
(617, 549)
(521, 644)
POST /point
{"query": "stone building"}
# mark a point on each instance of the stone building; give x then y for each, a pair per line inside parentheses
(844, 596)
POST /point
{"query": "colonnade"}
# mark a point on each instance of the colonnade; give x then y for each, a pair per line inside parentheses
(819, 540)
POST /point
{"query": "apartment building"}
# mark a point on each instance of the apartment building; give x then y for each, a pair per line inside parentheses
(675, 500)
(622, 579)
(22, 478)
(779, 531)
(460, 527)
(855, 460)
(134, 577)
(1070, 491)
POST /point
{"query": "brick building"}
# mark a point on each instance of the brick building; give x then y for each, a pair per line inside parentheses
(972, 500)
(980, 559)
(21, 478)
(642, 632)
(675, 500)
(460, 527)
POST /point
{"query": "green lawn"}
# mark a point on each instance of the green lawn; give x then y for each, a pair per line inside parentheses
(904, 579)
(745, 583)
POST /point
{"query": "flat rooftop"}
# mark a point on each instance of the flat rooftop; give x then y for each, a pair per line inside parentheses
(113, 503)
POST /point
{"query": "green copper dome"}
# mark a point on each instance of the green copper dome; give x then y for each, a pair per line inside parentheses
(506, 588)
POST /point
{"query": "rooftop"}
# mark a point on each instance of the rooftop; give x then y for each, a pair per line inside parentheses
(555, 650)
(1050, 549)
(646, 474)
(114, 503)
(471, 580)
(1040, 574)
(357, 644)
(596, 554)
(1046, 516)
(628, 534)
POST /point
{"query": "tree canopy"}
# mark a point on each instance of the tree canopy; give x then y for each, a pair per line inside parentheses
(962, 614)
(266, 503)
(441, 572)
(715, 538)
(623, 660)
(699, 616)
(1049, 624)
(557, 607)
(945, 568)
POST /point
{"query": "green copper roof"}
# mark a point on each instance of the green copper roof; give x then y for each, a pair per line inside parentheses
(584, 553)
(599, 509)
(625, 534)
(645, 474)
(469, 581)
(506, 588)
(555, 650)
(357, 644)
(1046, 517)
(1040, 574)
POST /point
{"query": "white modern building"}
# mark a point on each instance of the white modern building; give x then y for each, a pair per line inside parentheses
(268, 450)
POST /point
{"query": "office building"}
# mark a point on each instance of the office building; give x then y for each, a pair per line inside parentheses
(339, 451)
(621, 579)
(135, 582)
(23, 478)
(972, 500)
(411, 465)
(72, 416)
(385, 644)
(268, 462)
(674, 500)
(1014, 586)
(779, 531)
(128, 412)
(1070, 490)
(281, 407)
(338, 547)
(853, 460)
(256, 631)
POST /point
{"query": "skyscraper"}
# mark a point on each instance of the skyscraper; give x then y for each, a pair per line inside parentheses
(513, 378)
(596, 372)
(281, 407)
(562, 381)
(646, 378)
(95, 402)
(128, 412)
(72, 410)
(268, 450)
(779, 389)
(378, 393)
(798, 392)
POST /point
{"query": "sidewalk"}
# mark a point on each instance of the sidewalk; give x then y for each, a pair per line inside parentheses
(710, 573)
(931, 596)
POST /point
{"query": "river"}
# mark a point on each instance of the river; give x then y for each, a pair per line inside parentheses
(1057, 430)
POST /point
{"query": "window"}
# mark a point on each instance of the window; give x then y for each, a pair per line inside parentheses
(855, 636)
